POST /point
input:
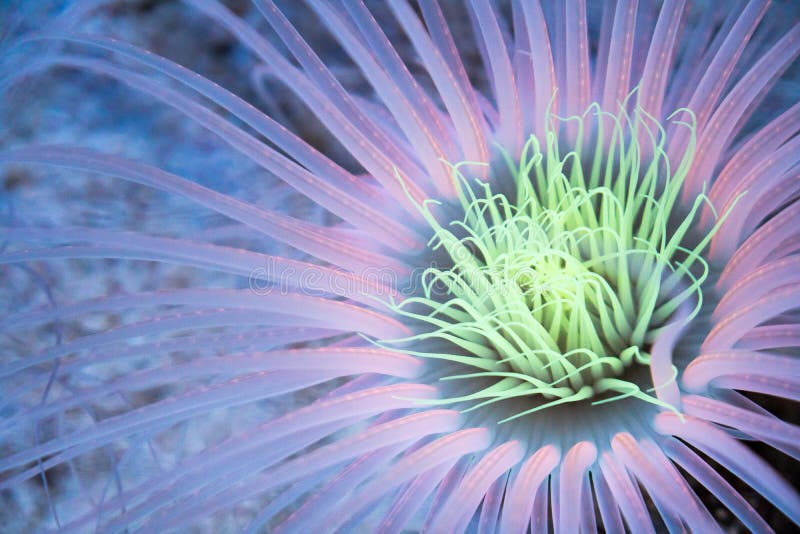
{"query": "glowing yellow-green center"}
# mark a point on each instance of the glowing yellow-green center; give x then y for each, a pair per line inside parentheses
(559, 285)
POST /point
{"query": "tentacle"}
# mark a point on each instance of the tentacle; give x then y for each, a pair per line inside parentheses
(161, 414)
(777, 387)
(442, 451)
(609, 511)
(349, 361)
(265, 271)
(269, 443)
(542, 63)
(464, 500)
(660, 56)
(334, 107)
(738, 104)
(473, 143)
(735, 457)
(731, 328)
(402, 430)
(758, 247)
(311, 514)
(327, 183)
(708, 90)
(573, 470)
(423, 143)
(509, 133)
(618, 70)
(379, 43)
(757, 284)
(774, 170)
(576, 59)
(469, 124)
(492, 502)
(317, 241)
(626, 495)
(412, 498)
(768, 429)
(666, 487)
(709, 366)
(529, 478)
(289, 309)
(712, 480)
(747, 156)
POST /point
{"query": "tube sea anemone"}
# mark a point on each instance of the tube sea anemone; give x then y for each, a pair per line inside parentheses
(538, 272)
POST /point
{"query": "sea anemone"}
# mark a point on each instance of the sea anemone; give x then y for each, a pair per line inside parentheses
(469, 267)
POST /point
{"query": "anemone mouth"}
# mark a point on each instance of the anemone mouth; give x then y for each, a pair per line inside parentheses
(556, 288)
